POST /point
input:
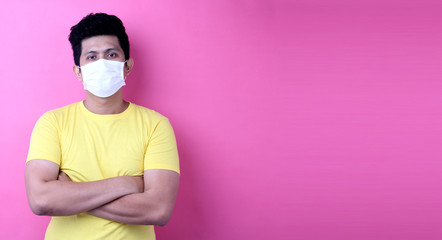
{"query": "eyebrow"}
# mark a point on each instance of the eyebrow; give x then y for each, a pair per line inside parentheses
(107, 50)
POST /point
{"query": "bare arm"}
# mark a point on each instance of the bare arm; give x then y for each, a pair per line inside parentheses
(152, 207)
(48, 196)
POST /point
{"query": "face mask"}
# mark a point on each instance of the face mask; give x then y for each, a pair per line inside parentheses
(103, 77)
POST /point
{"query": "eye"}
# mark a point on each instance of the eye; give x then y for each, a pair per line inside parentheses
(112, 55)
(91, 57)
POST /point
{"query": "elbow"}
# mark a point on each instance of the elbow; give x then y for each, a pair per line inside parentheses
(160, 218)
(39, 207)
(164, 215)
(39, 212)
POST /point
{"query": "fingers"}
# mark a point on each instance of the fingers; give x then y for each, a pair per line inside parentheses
(63, 177)
(140, 184)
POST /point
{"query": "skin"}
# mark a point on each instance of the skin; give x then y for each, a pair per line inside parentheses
(103, 47)
(145, 200)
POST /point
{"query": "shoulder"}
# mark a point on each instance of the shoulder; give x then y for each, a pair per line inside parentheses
(148, 113)
(65, 110)
(58, 114)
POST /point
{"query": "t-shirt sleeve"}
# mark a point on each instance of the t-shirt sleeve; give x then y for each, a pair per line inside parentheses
(45, 142)
(161, 152)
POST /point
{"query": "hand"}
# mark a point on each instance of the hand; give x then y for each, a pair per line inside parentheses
(139, 182)
(134, 184)
(63, 177)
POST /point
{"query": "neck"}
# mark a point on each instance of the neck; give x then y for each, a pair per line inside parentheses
(110, 105)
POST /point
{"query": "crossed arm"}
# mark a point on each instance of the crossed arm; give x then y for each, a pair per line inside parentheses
(131, 200)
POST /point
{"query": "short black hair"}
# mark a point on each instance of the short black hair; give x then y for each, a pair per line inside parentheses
(96, 25)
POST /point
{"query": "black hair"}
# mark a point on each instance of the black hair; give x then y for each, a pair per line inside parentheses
(96, 25)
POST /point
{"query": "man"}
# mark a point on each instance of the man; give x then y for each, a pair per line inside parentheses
(103, 168)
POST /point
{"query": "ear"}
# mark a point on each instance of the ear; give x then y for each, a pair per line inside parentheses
(128, 67)
(77, 72)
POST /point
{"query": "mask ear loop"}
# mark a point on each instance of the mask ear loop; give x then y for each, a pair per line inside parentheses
(79, 68)
(125, 65)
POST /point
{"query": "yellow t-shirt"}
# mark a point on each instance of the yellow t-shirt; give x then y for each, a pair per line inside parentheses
(90, 147)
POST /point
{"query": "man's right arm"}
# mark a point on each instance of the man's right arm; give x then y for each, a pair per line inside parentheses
(48, 196)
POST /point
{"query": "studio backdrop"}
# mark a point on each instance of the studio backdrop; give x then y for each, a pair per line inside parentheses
(306, 120)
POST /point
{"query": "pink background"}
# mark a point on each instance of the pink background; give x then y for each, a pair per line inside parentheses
(294, 119)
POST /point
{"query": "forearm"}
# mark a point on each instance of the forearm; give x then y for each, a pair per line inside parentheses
(138, 208)
(61, 198)
(152, 207)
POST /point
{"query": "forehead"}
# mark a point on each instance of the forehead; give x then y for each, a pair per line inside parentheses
(99, 43)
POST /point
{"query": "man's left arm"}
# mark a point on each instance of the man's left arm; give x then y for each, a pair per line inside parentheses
(152, 207)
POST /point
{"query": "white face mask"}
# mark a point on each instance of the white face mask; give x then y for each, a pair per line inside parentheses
(103, 77)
